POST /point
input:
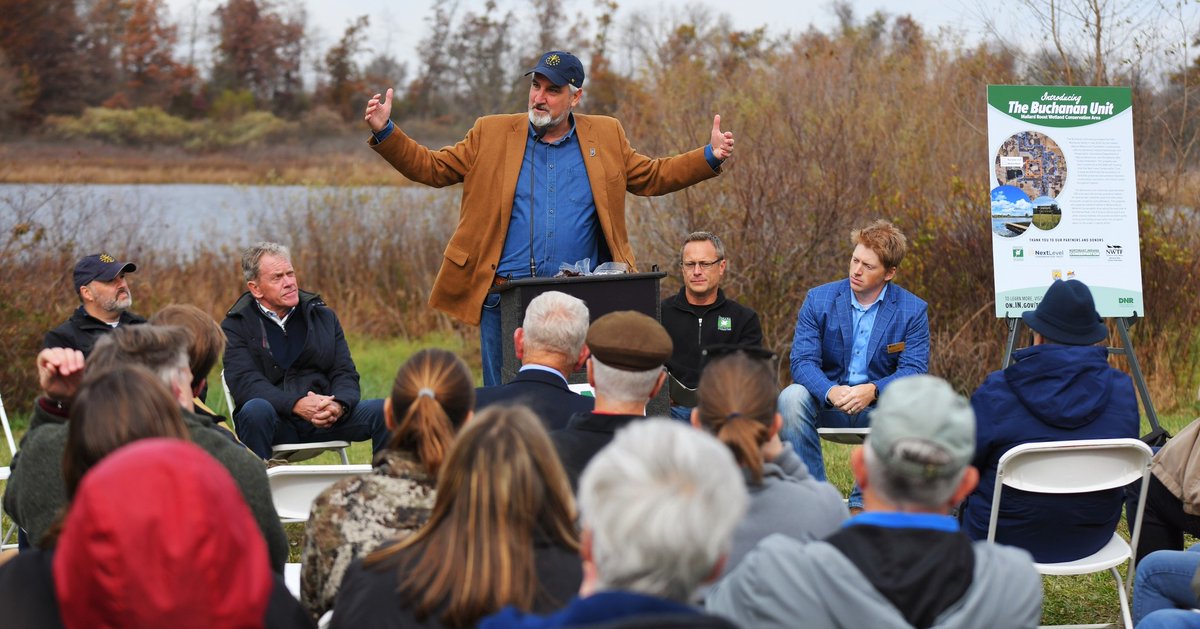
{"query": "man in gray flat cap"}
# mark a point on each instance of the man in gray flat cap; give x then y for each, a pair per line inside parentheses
(628, 350)
(903, 562)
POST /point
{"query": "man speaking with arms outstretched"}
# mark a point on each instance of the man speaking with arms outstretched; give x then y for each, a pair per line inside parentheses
(539, 189)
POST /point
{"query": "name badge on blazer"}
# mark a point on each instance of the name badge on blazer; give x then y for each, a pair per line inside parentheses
(895, 347)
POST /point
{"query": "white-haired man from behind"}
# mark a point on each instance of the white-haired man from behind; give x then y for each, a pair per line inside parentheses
(658, 507)
(550, 346)
(903, 562)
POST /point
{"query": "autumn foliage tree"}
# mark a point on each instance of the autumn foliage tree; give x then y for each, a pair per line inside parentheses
(344, 88)
(259, 48)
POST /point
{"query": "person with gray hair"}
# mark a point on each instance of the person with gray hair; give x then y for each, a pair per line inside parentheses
(36, 491)
(288, 365)
(550, 346)
(701, 316)
(903, 562)
(658, 507)
(625, 368)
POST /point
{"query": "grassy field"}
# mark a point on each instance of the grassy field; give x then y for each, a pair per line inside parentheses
(1068, 600)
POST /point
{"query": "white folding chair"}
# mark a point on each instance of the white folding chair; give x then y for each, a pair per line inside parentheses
(1073, 467)
(850, 436)
(7, 533)
(291, 578)
(295, 487)
(292, 452)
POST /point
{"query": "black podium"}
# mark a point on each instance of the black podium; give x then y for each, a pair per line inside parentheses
(602, 294)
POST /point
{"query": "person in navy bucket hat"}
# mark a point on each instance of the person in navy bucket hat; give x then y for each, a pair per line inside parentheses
(1067, 314)
(1062, 388)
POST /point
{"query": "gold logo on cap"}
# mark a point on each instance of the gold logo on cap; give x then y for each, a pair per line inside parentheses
(553, 60)
(107, 259)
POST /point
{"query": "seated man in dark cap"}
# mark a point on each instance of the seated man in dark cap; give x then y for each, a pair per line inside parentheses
(1060, 388)
(628, 350)
(104, 298)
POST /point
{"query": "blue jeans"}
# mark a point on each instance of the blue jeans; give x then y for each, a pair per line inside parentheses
(682, 413)
(491, 345)
(259, 427)
(1170, 619)
(802, 415)
(1164, 581)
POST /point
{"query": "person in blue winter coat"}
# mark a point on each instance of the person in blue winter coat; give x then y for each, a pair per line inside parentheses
(1061, 388)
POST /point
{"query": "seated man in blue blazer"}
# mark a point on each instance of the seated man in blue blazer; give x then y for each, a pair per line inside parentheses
(853, 337)
(550, 346)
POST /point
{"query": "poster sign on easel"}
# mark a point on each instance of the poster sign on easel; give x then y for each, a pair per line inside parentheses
(1063, 195)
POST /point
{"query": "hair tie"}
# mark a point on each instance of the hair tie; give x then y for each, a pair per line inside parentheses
(732, 416)
(426, 392)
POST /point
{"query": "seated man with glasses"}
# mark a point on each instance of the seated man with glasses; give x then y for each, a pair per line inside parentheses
(853, 337)
(700, 316)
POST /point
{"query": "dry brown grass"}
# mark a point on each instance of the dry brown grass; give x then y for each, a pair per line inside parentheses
(28, 162)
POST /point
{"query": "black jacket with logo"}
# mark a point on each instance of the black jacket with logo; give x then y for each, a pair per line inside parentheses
(693, 328)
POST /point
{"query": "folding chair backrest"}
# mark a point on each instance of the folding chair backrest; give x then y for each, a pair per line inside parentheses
(228, 396)
(295, 487)
(1072, 467)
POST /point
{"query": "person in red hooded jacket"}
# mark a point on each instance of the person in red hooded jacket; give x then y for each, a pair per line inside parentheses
(157, 535)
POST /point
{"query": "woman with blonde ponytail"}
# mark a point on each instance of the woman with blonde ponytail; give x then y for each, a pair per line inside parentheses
(736, 403)
(431, 399)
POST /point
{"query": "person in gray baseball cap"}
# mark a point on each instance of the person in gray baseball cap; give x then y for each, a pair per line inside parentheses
(1060, 388)
(903, 561)
(104, 303)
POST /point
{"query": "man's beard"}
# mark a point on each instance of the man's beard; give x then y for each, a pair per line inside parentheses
(542, 121)
(118, 304)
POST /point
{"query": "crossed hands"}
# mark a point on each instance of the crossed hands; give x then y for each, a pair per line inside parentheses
(852, 400)
(321, 411)
(60, 370)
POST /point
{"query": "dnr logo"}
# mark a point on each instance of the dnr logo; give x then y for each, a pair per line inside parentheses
(1018, 253)
(1125, 300)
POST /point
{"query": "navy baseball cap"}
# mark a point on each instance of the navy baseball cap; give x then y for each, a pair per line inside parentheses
(100, 266)
(560, 67)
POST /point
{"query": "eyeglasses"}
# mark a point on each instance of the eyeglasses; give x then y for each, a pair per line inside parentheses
(704, 266)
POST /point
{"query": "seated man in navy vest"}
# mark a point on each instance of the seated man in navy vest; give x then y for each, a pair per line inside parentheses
(550, 345)
(287, 363)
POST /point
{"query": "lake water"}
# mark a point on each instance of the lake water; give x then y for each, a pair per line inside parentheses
(184, 217)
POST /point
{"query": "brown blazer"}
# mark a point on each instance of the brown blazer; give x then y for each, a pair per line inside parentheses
(487, 162)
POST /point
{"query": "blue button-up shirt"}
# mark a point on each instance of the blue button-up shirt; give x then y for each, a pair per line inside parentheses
(565, 226)
(864, 323)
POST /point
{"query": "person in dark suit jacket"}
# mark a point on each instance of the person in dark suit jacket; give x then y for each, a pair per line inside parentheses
(625, 367)
(550, 346)
(853, 337)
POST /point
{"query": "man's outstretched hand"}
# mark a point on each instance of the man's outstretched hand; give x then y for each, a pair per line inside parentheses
(722, 142)
(379, 110)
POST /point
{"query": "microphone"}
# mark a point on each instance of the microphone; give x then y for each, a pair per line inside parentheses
(538, 132)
